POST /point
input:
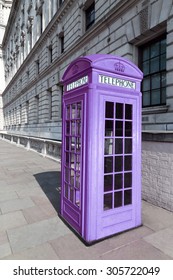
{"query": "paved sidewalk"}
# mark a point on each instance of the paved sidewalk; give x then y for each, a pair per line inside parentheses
(31, 229)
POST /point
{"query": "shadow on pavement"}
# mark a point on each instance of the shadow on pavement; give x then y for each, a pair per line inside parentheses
(50, 182)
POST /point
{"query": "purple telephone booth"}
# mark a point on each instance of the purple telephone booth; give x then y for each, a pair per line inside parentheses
(101, 146)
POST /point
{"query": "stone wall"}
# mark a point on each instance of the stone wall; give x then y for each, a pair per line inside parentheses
(46, 148)
(157, 169)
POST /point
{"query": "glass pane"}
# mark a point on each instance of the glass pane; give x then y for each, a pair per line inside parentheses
(119, 128)
(127, 163)
(128, 112)
(77, 198)
(78, 127)
(146, 84)
(68, 112)
(145, 53)
(109, 146)
(73, 111)
(66, 191)
(117, 199)
(146, 68)
(155, 81)
(108, 128)
(128, 129)
(67, 173)
(118, 163)
(67, 159)
(71, 194)
(154, 65)
(78, 159)
(118, 146)
(163, 46)
(73, 128)
(107, 201)
(128, 180)
(127, 197)
(146, 98)
(78, 145)
(77, 185)
(79, 110)
(67, 143)
(108, 165)
(67, 127)
(72, 177)
(128, 146)
(73, 144)
(119, 110)
(118, 181)
(163, 62)
(163, 95)
(154, 51)
(73, 140)
(163, 79)
(108, 181)
(72, 160)
(110, 110)
(155, 97)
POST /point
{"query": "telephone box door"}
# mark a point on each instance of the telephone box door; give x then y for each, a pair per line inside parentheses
(72, 162)
(120, 157)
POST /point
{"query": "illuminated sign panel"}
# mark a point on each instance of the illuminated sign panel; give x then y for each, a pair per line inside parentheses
(82, 81)
(116, 82)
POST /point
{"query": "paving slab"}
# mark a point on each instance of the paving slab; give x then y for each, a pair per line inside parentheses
(37, 214)
(3, 237)
(159, 219)
(5, 250)
(29, 191)
(16, 204)
(7, 194)
(31, 235)
(41, 252)
(137, 250)
(162, 240)
(11, 220)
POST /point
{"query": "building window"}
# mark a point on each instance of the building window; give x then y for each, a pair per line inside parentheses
(37, 108)
(30, 40)
(50, 51)
(49, 100)
(27, 112)
(27, 76)
(60, 2)
(37, 64)
(62, 43)
(90, 15)
(41, 23)
(153, 62)
(20, 114)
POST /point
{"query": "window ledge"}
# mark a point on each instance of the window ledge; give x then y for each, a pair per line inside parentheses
(155, 110)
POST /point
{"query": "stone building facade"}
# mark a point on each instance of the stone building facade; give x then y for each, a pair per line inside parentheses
(41, 39)
(4, 14)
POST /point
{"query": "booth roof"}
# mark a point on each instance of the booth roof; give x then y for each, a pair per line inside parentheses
(107, 62)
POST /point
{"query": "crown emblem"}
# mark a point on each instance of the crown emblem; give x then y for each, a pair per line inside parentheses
(119, 67)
